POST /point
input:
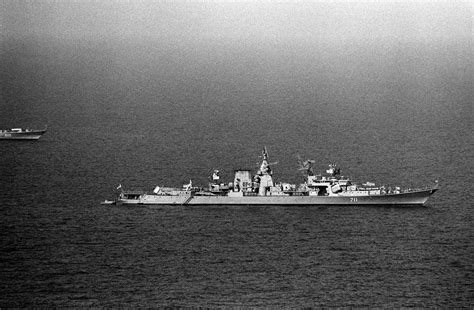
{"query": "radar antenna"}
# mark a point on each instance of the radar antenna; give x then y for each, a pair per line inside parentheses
(264, 165)
(333, 170)
(306, 165)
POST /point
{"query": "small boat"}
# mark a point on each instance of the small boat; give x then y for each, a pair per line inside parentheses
(21, 134)
(107, 202)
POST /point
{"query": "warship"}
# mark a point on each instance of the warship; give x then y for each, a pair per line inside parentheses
(260, 189)
(21, 134)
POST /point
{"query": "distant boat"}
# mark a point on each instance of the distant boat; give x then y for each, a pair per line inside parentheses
(21, 134)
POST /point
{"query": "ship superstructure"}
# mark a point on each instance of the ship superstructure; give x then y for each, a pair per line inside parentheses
(260, 189)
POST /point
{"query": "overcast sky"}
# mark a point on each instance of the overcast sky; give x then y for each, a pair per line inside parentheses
(258, 20)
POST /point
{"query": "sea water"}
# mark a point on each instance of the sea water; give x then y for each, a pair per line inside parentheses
(149, 114)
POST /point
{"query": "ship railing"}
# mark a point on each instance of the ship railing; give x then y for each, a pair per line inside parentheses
(134, 192)
(417, 189)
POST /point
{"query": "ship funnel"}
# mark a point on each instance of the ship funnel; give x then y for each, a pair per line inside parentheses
(242, 180)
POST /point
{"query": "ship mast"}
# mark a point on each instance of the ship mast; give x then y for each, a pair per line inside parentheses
(265, 167)
(264, 175)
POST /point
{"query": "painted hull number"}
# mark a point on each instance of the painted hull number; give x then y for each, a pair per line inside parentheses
(353, 199)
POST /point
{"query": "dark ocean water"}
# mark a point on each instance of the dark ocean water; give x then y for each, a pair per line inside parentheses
(155, 113)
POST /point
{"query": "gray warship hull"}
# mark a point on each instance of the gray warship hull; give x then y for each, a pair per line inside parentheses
(401, 199)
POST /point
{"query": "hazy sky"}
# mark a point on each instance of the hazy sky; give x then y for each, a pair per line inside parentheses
(258, 20)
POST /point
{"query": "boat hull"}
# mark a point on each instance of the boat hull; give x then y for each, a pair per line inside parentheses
(407, 198)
